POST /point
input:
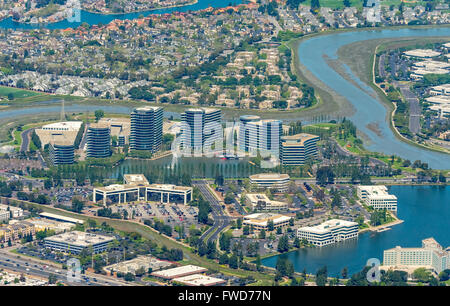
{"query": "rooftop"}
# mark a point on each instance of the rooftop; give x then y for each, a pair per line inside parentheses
(269, 176)
(298, 139)
(179, 271)
(81, 239)
(328, 225)
(199, 280)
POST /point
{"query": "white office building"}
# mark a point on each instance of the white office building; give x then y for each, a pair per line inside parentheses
(329, 232)
(430, 256)
(377, 197)
(279, 182)
(74, 242)
(259, 201)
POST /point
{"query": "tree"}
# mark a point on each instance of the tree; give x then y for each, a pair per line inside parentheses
(10, 96)
(233, 261)
(270, 225)
(262, 234)
(129, 277)
(422, 275)
(52, 278)
(321, 276)
(77, 205)
(344, 272)
(99, 114)
(283, 244)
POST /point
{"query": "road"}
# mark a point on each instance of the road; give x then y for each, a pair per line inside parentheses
(345, 152)
(26, 135)
(221, 221)
(28, 265)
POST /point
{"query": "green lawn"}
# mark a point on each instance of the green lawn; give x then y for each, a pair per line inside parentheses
(17, 93)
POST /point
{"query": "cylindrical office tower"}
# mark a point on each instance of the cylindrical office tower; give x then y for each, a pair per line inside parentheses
(146, 128)
(98, 141)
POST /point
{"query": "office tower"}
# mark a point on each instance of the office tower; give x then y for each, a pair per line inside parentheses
(62, 152)
(201, 126)
(260, 135)
(98, 140)
(146, 128)
(297, 149)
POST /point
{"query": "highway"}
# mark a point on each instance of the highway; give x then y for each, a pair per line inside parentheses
(28, 265)
(221, 221)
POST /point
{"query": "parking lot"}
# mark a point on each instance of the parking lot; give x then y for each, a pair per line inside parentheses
(170, 213)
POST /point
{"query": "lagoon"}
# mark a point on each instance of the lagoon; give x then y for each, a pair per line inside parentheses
(425, 211)
(313, 54)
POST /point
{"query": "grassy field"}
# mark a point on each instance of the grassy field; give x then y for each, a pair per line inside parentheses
(17, 93)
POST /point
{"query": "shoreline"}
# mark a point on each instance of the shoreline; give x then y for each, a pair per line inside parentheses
(393, 108)
(107, 13)
(389, 118)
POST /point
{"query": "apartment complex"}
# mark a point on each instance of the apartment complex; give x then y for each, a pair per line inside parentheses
(7, 212)
(259, 201)
(431, 256)
(297, 149)
(76, 241)
(146, 128)
(256, 135)
(329, 232)
(279, 182)
(377, 197)
(260, 221)
(16, 231)
(98, 140)
(200, 128)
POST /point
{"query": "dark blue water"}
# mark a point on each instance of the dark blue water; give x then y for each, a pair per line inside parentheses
(95, 18)
(425, 211)
(312, 54)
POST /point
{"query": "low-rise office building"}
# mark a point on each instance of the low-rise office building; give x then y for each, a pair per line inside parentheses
(61, 218)
(279, 182)
(259, 201)
(199, 280)
(377, 197)
(179, 272)
(430, 256)
(137, 187)
(141, 262)
(260, 221)
(42, 224)
(421, 53)
(76, 241)
(329, 232)
(297, 149)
